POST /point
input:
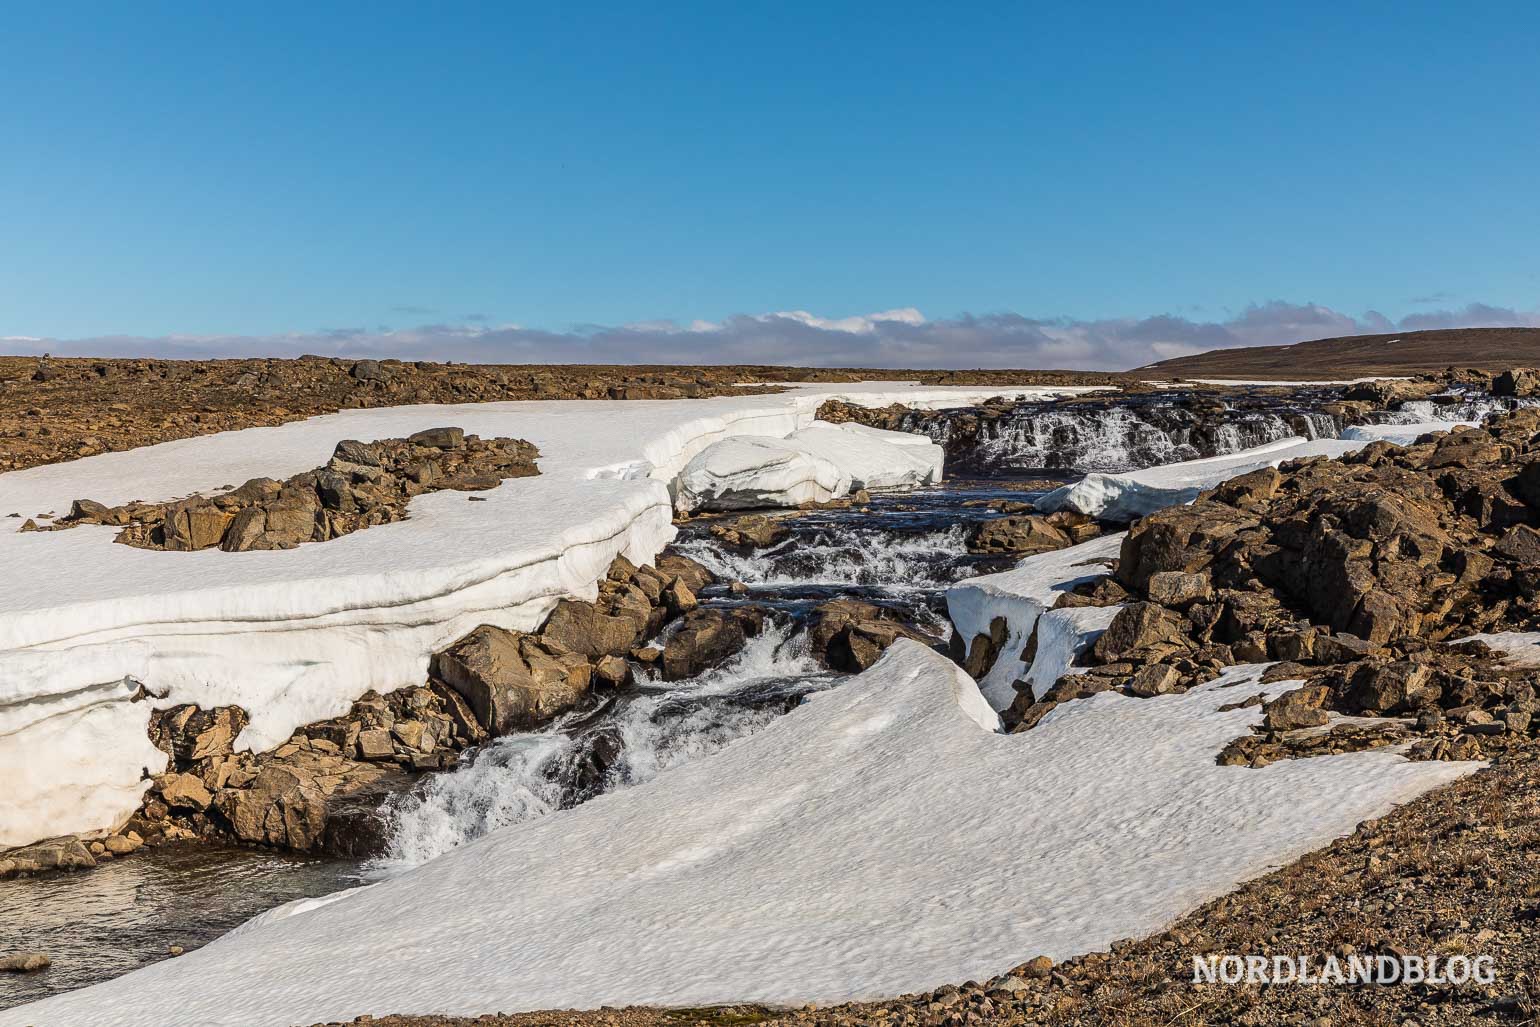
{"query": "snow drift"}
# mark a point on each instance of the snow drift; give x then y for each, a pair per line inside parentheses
(1133, 494)
(819, 463)
(880, 839)
(295, 636)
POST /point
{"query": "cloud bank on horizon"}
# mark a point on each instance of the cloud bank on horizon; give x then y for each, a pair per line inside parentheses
(889, 339)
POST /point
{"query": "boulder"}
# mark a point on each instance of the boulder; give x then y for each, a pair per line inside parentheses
(439, 438)
(509, 681)
(579, 627)
(707, 638)
(752, 531)
(1135, 627)
(850, 636)
(1299, 708)
(1517, 382)
(672, 565)
(1154, 679)
(1017, 534)
(1391, 688)
(1178, 589)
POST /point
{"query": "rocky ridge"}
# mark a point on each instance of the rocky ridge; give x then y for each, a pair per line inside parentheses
(1357, 574)
(362, 485)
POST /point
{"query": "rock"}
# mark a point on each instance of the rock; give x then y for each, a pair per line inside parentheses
(579, 627)
(678, 598)
(850, 636)
(1037, 968)
(509, 680)
(1178, 588)
(1135, 627)
(672, 565)
(184, 791)
(751, 531)
(1341, 648)
(25, 962)
(369, 371)
(1521, 544)
(194, 525)
(1516, 383)
(1153, 680)
(1299, 708)
(1018, 534)
(708, 638)
(612, 672)
(120, 845)
(375, 744)
(1391, 688)
(439, 438)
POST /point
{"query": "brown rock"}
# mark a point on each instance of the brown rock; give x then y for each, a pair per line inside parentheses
(1153, 680)
(184, 791)
(1137, 626)
(509, 681)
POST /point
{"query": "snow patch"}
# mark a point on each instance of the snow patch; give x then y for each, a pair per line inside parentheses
(875, 841)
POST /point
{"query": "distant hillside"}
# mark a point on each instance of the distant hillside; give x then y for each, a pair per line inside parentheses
(1491, 349)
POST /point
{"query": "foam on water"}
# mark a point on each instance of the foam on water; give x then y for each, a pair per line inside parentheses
(843, 554)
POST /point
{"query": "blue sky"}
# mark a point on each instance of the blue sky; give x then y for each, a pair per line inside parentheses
(378, 170)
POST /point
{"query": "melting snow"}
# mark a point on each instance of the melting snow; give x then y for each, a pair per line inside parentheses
(879, 839)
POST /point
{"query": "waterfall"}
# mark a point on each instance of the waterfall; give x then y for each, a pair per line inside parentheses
(585, 753)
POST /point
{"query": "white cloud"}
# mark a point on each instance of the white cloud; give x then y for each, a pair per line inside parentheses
(896, 338)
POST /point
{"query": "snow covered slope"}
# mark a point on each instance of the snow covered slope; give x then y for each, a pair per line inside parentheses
(294, 636)
(879, 839)
(1132, 494)
(814, 465)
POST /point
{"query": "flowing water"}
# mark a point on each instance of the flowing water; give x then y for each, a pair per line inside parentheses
(1122, 434)
(902, 551)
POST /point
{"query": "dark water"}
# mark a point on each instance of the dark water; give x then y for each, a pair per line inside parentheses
(127, 913)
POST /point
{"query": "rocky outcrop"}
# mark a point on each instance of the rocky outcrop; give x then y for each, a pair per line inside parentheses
(364, 484)
(1354, 573)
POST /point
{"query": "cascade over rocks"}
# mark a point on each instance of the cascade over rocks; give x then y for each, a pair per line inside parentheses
(363, 484)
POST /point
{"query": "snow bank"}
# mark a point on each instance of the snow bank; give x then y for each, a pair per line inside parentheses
(1522, 648)
(1400, 434)
(295, 636)
(813, 465)
(1133, 494)
(877, 840)
(1020, 596)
